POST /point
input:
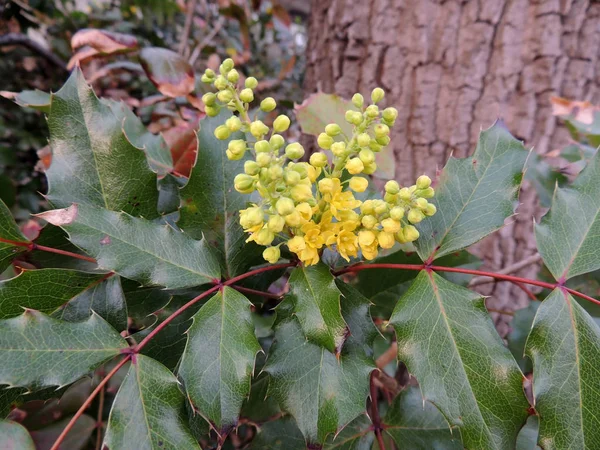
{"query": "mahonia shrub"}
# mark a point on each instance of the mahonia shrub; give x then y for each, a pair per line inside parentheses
(275, 299)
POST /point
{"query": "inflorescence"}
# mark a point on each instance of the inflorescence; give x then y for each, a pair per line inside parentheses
(311, 205)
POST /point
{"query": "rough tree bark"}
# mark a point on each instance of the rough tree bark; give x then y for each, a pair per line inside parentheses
(451, 68)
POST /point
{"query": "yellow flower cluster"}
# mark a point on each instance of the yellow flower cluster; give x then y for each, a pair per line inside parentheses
(311, 205)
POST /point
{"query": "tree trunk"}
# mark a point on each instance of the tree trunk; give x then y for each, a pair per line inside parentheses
(452, 68)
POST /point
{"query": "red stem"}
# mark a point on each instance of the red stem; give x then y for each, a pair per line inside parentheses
(88, 401)
(33, 246)
(256, 292)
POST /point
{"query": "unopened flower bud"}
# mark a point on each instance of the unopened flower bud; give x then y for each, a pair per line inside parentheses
(262, 146)
(377, 95)
(325, 141)
(221, 83)
(272, 254)
(415, 216)
(227, 64)
(390, 225)
(386, 239)
(421, 203)
(294, 151)
(392, 187)
(366, 156)
(210, 73)
(276, 141)
(294, 219)
(264, 237)
(363, 139)
(358, 100)
(338, 149)
(301, 169)
(258, 129)
(296, 244)
(225, 96)
(233, 123)
(263, 159)
(405, 194)
(410, 233)
(354, 117)
(390, 114)
(333, 129)
(243, 182)
(209, 99)
(381, 130)
(222, 132)
(233, 76)
(251, 83)
(318, 159)
(281, 123)
(372, 111)
(423, 182)
(325, 185)
(276, 223)
(305, 210)
(212, 111)
(426, 193)
(246, 95)
(291, 177)
(301, 192)
(251, 217)
(275, 172)
(359, 184)
(380, 206)
(366, 238)
(237, 146)
(369, 221)
(370, 168)
(268, 104)
(355, 166)
(383, 140)
(368, 207)
(251, 168)
(390, 198)
(397, 213)
(373, 145)
(285, 206)
(430, 210)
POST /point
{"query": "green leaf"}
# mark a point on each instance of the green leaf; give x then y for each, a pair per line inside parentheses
(528, 436)
(10, 231)
(43, 290)
(564, 345)
(323, 393)
(35, 99)
(149, 411)
(38, 351)
(317, 305)
(56, 237)
(138, 249)
(15, 436)
(544, 178)
(282, 434)
(211, 204)
(355, 310)
(448, 342)
(169, 72)
(474, 195)
(569, 233)
(520, 327)
(218, 360)
(357, 435)
(105, 298)
(93, 162)
(76, 439)
(143, 302)
(415, 423)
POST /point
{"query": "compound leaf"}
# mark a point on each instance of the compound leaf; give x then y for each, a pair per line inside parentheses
(138, 249)
(569, 234)
(474, 195)
(564, 345)
(218, 360)
(149, 410)
(38, 351)
(448, 342)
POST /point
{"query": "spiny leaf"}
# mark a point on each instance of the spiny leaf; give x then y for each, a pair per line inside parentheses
(211, 204)
(43, 290)
(569, 234)
(138, 249)
(35, 99)
(38, 351)
(92, 160)
(169, 72)
(149, 411)
(357, 435)
(564, 345)
(317, 305)
(474, 195)
(448, 342)
(105, 299)
(10, 231)
(415, 423)
(15, 436)
(218, 360)
(56, 237)
(282, 434)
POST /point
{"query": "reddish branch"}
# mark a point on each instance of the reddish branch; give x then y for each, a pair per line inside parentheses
(375, 418)
(33, 246)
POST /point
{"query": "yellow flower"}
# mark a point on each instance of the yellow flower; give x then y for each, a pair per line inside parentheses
(366, 238)
(347, 244)
(329, 229)
(386, 240)
(305, 210)
(370, 251)
(309, 256)
(390, 225)
(296, 244)
(301, 192)
(340, 200)
(312, 235)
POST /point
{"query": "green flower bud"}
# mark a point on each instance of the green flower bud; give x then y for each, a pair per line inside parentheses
(212, 111)
(272, 254)
(221, 83)
(410, 233)
(368, 207)
(262, 146)
(392, 187)
(415, 216)
(210, 74)
(281, 123)
(383, 140)
(338, 149)
(247, 95)
(275, 172)
(363, 139)
(405, 194)
(243, 182)
(373, 145)
(264, 237)
(358, 100)
(430, 210)
(301, 169)
(390, 198)
(285, 206)
(233, 76)
(294, 151)
(318, 159)
(251, 217)
(276, 223)
(370, 169)
(251, 168)
(209, 99)
(397, 213)
(291, 177)
(263, 159)
(325, 141)
(233, 156)
(222, 132)
(358, 184)
(294, 219)
(421, 203)
(353, 117)
(381, 130)
(227, 64)
(333, 129)
(390, 114)
(427, 193)
(390, 225)
(251, 83)
(268, 104)
(366, 156)
(258, 129)
(377, 95)
(233, 123)
(372, 111)
(369, 221)
(380, 206)
(206, 79)
(225, 96)
(237, 146)
(301, 192)
(423, 182)
(355, 166)
(277, 141)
